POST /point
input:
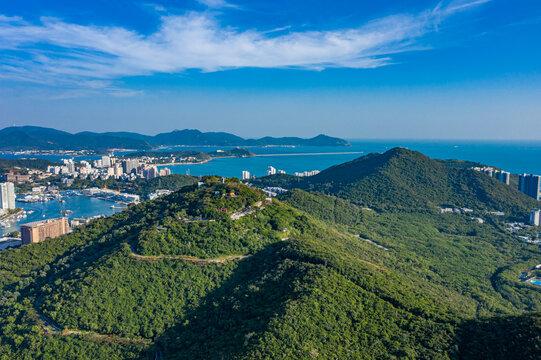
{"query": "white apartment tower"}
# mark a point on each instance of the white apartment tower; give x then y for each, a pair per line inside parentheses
(7, 196)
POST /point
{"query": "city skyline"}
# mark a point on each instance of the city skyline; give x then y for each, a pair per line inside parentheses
(414, 69)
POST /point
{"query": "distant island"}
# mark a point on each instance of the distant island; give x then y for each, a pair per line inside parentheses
(33, 138)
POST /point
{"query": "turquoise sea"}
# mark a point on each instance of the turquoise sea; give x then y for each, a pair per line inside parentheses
(514, 156)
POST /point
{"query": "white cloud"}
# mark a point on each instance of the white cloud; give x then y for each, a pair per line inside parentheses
(216, 4)
(59, 53)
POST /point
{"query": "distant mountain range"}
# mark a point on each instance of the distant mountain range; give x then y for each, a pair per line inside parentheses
(39, 138)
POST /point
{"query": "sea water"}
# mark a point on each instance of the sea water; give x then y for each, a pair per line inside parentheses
(79, 206)
(513, 156)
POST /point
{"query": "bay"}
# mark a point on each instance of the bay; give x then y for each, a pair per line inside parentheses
(79, 205)
(514, 156)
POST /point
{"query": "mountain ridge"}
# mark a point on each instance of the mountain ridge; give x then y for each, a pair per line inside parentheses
(20, 138)
(408, 180)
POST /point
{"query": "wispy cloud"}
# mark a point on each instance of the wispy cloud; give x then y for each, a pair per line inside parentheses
(217, 4)
(58, 53)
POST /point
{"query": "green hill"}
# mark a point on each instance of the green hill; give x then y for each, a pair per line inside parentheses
(219, 272)
(406, 180)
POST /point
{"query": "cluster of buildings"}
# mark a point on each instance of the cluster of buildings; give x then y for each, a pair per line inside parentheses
(527, 183)
(273, 191)
(273, 171)
(108, 167)
(307, 173)
(500, 175)
(455, 210)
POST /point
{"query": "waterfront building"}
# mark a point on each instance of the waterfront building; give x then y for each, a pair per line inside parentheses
(535, 217)
(271, 170)
(529, 185)
(41, 230)
(245, 175)
(7, 196)
(165, 172)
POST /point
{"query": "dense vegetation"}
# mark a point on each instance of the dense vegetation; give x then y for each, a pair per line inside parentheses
(303, 277)
(405, 180)
(16, 165)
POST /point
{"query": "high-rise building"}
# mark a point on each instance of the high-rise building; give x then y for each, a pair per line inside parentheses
(119, 171)
(130, 165)
(271, 170)
(7, 196)
(105, 161)
(245, 175)
(150, 172)
(165, 172)
(529, 185)
(41, 230)
(535, 217)
(70, 165)
(502, 176)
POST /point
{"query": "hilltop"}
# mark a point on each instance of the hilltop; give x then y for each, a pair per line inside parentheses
(402, 179)
(216, 270)
(40, 138)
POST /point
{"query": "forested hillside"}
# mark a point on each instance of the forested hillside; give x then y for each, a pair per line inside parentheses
(218, 271)
(405, 180)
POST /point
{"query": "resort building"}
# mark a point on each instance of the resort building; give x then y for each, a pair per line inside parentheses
(41, 230)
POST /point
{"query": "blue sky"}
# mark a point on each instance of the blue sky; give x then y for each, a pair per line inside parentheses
(357, 69)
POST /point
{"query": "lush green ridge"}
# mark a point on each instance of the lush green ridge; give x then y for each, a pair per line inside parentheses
(405, 180)
(411, 284)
